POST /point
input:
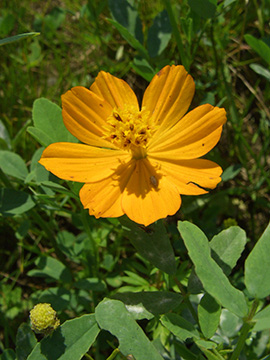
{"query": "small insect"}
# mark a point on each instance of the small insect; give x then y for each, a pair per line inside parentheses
(154, 181)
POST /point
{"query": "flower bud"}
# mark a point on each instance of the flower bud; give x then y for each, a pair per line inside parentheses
(43, 319)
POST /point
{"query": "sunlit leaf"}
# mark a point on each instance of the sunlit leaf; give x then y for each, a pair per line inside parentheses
(212, 277)
(112, 316)
(257, 267)
(70, 341)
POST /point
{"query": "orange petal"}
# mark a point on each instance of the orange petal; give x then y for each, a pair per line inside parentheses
(113, 90)
(168, 96)
(103, 198)
(84, 115)
(82, 163)
(192, 176)
(194, 136)
(149, 196)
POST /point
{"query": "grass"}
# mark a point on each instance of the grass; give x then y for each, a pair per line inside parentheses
(76, 41)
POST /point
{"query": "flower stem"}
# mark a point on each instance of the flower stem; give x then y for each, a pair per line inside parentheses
(244, 331)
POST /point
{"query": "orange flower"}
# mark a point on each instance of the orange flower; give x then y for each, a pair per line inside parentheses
(137, 161)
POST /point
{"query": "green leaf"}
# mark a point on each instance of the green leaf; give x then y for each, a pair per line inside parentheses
(70, 245)
(179, 326)
(259, 46)
(58, 297)
(203, 8)
(93, 284)
(70, 341)
(143, 68)
(231, 172)
(130, 38)
(146, 304)
(227, 247)
(25, 341)
(212, 277)
(17, 37)
(209, 314)
(257, 267)
(12, 164)
(125, 13)
(112, 316)
(159, 34)
(49, 266)
(13, 202)
(260, 70)
(152, 243)
(4, 136)
(49, 126)
(262, 319)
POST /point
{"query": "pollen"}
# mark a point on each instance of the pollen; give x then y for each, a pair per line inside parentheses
(130, 129)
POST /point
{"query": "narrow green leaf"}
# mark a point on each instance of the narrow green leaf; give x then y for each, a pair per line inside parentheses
(12, 164)
(212, 277)
(126, 14)
(70, 341)
(4, 136)
(140, 304)
(130, 38)
(209, 314)
(39, 135)
(231, 172)
(112, 315)
(259, 46)
(49, 266)
(14, 38)
(13, 202)
(25, 341)
(159, 34)
(257, 267)
(152, 243)
(143, 68)
(227, 247)
(48, 122)
(179, 326)
(203, 8)
(260, 70)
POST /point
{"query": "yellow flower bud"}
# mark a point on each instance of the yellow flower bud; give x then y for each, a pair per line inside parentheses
(44, 319)
(229, 222)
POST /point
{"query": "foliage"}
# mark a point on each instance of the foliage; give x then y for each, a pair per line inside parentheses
(193, 286)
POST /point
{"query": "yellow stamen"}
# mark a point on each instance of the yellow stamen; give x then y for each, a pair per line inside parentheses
(130, 129)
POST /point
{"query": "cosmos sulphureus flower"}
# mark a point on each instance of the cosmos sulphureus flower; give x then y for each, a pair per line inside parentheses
(137, 160)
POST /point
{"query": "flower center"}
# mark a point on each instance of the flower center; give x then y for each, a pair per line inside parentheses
(130, 129)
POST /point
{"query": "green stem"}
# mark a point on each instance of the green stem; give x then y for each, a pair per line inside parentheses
(244, 331)
(88, 356)
(182, 53)
(113, 354)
